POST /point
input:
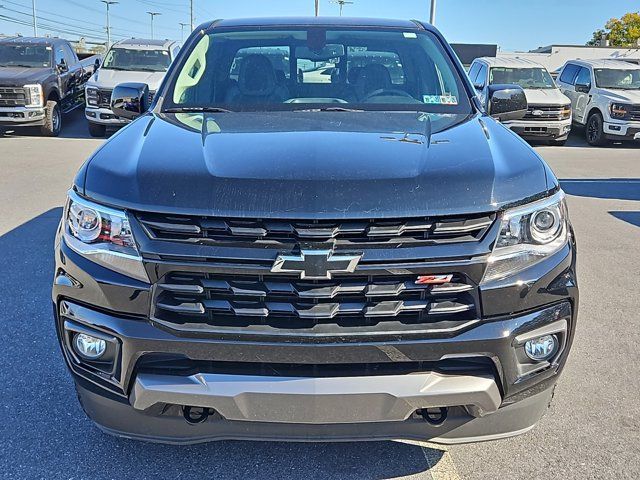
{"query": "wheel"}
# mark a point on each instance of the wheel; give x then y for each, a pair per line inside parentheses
(52, 119)
(97, 130)
(558, 143)
(594, 130)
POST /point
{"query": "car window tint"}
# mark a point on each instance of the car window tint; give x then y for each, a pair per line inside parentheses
(481, 77)
(583, 77)
(569, 73)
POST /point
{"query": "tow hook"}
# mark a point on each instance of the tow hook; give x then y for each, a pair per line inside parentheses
(434, 416)
(195, 415)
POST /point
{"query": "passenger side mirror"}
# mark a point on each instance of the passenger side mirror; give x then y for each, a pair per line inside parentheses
(583, 87)
(130, 100)
(506, 102)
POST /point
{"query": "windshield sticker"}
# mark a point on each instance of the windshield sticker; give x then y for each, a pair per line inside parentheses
(409, 35)
(440, 99)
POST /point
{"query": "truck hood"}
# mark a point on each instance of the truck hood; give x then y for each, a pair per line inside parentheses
(547, 96)
(314, 165)
(624, 96)
(19, 76)
(106, 78)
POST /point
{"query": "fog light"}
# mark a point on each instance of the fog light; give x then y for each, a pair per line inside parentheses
(541, 348)
(88, 346)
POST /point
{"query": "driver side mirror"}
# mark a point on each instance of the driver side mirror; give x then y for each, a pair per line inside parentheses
(130, 100)
(96, 64)
(583, 87)
(506, 102)
(62, 66)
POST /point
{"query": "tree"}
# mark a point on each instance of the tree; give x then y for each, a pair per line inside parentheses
(621, 32)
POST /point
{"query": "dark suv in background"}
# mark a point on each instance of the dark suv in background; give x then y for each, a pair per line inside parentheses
(315, 232)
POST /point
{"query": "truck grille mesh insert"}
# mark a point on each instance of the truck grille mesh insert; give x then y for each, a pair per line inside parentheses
(12, 97)
(249, 232)
(285, 305)
(549, 112)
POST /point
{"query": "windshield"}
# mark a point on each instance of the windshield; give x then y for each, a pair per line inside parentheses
(137, 60)
(316, 68)
(31, 56)
(532, 78)
(617, 79)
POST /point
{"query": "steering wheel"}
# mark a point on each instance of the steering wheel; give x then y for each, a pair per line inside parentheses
(391, 92)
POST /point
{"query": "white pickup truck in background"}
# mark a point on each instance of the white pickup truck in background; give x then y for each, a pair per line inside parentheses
(130, 60)
(605, 98)
(549, 113)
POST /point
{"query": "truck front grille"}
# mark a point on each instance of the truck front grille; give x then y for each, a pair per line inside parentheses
(345, 306)
(634, 114)
(12, 97)
(549, 112)
(288, 233)
(104, 98)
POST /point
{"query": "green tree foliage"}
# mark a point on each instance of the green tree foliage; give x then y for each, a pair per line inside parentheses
(621, 32)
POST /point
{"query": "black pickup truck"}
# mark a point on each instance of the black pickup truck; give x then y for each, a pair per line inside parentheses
(333, 240)
(40, 80)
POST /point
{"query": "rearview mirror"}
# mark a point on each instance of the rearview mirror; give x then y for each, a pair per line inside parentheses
(583, 87)
(506, 102)
(326, 53)
(130, 100)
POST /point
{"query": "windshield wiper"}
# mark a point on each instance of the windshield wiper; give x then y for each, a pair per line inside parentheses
(328, 109)
(197, 109)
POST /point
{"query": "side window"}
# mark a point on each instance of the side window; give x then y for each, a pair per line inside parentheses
(69, 55)
(58, 55)
(481, 78)
(569, 74)
(584, 77)
(473, 71)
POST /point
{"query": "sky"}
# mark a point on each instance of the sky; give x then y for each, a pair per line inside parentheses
(515, 25)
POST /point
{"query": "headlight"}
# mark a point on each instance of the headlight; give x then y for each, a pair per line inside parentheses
(33, 95)
(92, 96)
(528, 235)
(102, 235)
(620, 110)
(565, 112)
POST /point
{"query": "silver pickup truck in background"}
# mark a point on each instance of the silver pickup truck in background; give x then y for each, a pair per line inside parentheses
(130, 60)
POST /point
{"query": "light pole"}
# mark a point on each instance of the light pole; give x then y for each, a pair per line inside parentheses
(108, 3)
(342, 3)
(182, 25)
(432, 17)
(317, 7)
(35, 19)
(153, 14)
(191, 17)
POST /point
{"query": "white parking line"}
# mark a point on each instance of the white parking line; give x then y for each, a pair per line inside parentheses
(441, 466)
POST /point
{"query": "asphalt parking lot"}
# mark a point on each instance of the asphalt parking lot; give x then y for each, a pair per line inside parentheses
(592, 429)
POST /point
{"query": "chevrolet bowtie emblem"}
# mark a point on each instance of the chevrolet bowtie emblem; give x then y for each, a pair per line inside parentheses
(316, 264)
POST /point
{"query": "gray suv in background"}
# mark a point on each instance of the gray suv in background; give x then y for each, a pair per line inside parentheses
(130, 60)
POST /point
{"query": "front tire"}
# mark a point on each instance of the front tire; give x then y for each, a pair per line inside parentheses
(594, 130)
(97, 130)
(52, 119)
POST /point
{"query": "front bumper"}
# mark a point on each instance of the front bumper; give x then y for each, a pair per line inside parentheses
(541, 129)
(622, 130)
(315, 389)
(22, 116)
(103, 116)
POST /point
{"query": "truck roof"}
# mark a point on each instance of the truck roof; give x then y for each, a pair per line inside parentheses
(606, 63)
(510, 62)
(33, 40)
(320, 21)
(145, 43)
